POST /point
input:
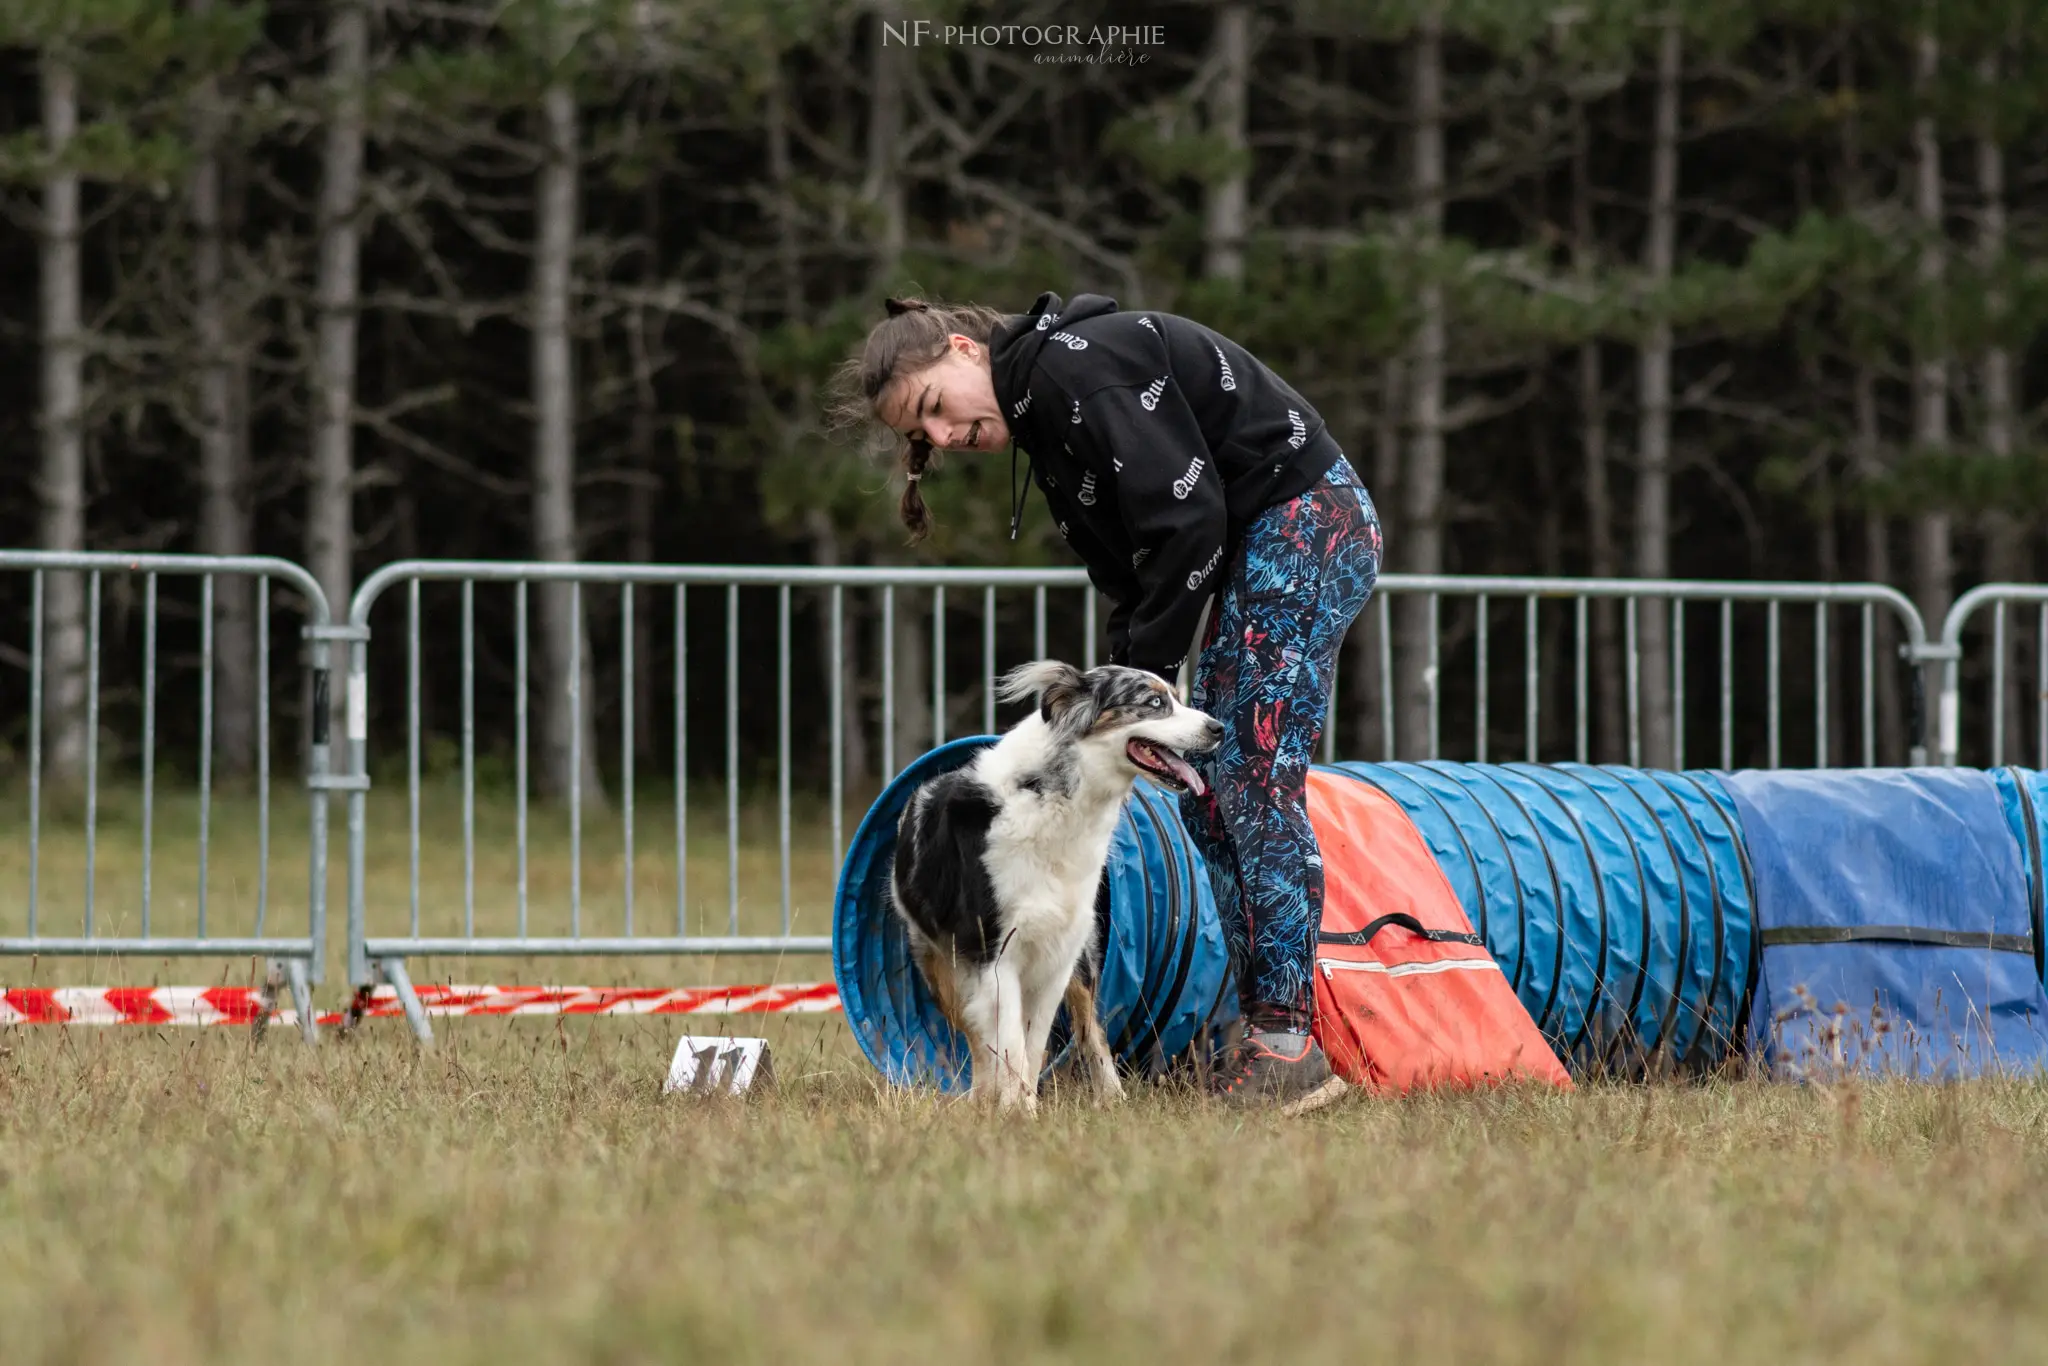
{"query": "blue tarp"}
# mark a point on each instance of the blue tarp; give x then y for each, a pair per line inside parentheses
(1897, 919)
(1615, 900)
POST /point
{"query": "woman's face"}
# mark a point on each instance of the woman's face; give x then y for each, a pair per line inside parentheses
(950, 403)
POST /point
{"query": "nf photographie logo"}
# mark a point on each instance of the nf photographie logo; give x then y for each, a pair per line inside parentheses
(1121, 44)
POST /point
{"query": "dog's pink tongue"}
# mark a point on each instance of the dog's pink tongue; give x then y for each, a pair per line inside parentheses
(1184, 771)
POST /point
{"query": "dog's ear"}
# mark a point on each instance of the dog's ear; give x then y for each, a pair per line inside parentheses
(1057, 685)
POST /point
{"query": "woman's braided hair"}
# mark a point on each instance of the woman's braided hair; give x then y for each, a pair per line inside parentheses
(913, 336)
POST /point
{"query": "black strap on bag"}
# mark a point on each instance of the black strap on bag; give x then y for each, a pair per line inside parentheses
(1406, 922)
(1897, 934)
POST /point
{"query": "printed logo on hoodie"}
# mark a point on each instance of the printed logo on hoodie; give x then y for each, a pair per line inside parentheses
(1085, 495)
(1185, 485)
(1046, 320)
(1195, 579)
(1147, 322)
(1022, 406)
(1077, 412)
(1139, 558)
(1070, 341)
(1300, 429)
(1226, 379)
(1150, 398)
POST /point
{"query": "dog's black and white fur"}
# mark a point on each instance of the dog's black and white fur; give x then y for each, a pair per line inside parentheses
(997, 864)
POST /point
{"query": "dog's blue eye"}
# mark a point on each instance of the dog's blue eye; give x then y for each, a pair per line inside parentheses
(1157, 701)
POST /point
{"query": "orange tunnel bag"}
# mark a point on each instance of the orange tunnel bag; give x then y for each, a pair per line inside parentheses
(1407, 996)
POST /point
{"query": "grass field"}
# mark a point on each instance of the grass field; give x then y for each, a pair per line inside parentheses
(522, 1192)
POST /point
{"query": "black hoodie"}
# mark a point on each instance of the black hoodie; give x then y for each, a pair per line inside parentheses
(1155, 441)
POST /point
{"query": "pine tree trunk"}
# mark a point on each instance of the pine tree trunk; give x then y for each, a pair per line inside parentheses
(225, 514)
(1421, 528)
(568, 705)
(2004, 535)
(1933, 555)
(1877, 568)
(1868, 463)
(1227, 197)
(330, 500)
(1604, 695)
(913, 678)
(644, 496)
(61, 488)
(883, 186)
(1653, 430)
(1365, 638)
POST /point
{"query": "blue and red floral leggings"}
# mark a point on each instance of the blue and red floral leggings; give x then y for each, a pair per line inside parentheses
(1302, 574)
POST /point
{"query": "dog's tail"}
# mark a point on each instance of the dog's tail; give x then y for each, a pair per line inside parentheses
(1036, 679)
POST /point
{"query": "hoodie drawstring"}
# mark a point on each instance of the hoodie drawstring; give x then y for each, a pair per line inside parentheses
(1016, 496)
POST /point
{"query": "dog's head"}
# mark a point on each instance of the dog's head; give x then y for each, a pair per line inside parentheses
(1127, 717)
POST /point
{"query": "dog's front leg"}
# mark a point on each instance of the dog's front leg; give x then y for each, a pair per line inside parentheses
(1042, 1002)
(1016, 1083)
(1089, 1038)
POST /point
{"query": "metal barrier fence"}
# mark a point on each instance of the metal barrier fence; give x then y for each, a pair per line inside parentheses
(2011, 700)
(1492, 650)
(70, 711)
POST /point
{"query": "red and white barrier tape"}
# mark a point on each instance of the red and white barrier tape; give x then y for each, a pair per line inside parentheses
(241, 1005)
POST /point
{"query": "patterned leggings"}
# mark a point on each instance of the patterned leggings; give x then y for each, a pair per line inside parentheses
(1304, 571)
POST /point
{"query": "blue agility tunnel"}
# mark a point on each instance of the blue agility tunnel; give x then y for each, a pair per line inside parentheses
(1165, 970)
(1617, 901)
(1641, 916)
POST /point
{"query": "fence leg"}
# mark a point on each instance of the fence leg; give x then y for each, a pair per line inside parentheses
(393, 971)
(302, 999)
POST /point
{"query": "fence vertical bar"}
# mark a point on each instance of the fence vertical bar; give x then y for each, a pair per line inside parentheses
(1582, 738)
(1727, 683)
(1869, 686)
(1386, 635)
(262, 752)
(35, 747)
(205, 737)
(1635, 687)
(988, 660)
(92, 744)
(682, 749)
(838, 690)
(1531, 698)
(575, 682)
(1432, 676)
(1088, 628)
(938, 666)
(412, 737)
(1038, 622)
(626, 737)
(683, 760)
(1678, 684)
(469, 755)
(1998, 682)
(888, 682)
(148, 738)
(1771, 676)
(1820, 684)
(1479, 719)
(782, 741)
(732, 758)
(519, 744)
